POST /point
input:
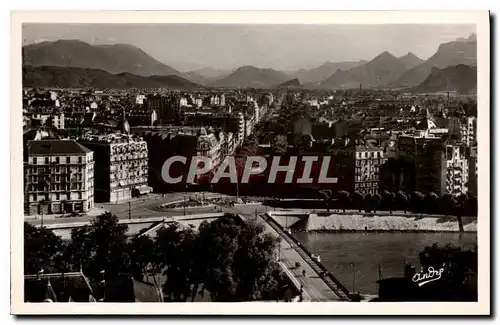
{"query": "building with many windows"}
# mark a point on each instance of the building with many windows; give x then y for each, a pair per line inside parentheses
(457, 169)
(121, 164)
(358, 167)
(59, 177)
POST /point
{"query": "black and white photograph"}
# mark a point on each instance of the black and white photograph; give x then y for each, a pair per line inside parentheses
(201, 163)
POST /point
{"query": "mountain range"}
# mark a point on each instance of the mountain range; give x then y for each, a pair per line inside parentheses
(70, 77)
(324, 71)
(252, 77)
(111, 58)
(384, 68)
(461, 51)
(125, 64)
(460, 78)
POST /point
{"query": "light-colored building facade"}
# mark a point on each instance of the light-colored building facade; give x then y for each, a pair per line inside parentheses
(468, 130)
(121, 166)
(59, 177)
(457, 169)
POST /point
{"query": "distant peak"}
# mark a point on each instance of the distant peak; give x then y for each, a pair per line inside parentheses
(384, 55)
(410, 55)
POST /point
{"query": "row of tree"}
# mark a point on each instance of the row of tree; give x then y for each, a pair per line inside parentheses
(463, 205)
(231, 259)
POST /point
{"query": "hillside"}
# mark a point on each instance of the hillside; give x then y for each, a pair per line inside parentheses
(460, 78)
(66, 77)
(381, 70)
(324, 71)
(463, 51)
(252, 77)
(410, 60)
(211, 73)
(111, 58)
(294, 83)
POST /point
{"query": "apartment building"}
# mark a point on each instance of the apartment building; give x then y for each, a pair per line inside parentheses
(472, 179)
(358, 167)
(457, 169)
(429, 165)
(121, 164)
(59, 177)
(468, 130)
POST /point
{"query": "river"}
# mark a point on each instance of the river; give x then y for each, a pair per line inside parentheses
(367, 250)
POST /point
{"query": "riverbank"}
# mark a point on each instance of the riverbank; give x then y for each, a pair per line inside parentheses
(374, 223)
(364, 222)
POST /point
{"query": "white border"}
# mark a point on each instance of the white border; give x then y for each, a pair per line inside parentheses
(479, 18)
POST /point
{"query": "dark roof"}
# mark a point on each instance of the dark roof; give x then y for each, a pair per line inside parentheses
(58, 287)
(52, 147)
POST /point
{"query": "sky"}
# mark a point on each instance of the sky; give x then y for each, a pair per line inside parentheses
(283, 47)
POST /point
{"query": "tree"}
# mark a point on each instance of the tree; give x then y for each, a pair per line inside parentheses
(344, 199)
(458, 265)
(42, 250)
(357, 199)
(279, 145)
(388, 199)
(402, 200)
(141, 249)
(174, 250)
(237, 259)
(376, 202)
(101, 246)
(416, 201)
(447, 203)
(368, 202)
(430, 202)
(326, 194)
(471, 206)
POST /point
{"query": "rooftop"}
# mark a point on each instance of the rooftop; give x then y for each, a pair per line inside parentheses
(53, 147)
(110, 138)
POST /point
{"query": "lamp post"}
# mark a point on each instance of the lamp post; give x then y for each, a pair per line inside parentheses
(353, 276)
(129, 211)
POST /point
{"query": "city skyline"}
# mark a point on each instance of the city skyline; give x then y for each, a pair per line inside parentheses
(264, 46)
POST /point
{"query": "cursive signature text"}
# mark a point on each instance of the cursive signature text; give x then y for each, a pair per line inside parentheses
(426, 277)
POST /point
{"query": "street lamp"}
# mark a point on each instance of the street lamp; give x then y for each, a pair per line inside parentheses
(353, 276)
(129, 211)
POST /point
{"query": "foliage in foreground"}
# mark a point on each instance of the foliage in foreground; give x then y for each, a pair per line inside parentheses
(231, 259)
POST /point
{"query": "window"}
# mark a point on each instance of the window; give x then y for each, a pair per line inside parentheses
(57, 160)
(46, 160)
(79, 160)
(68, 160)
(79, 195)
(34, 160)
(57, 196)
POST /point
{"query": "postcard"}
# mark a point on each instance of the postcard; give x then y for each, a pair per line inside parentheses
(250, 163)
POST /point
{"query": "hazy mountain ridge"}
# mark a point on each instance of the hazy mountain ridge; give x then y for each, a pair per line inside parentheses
(252, 77)
(115, 58)
(294, 83)
(410, 60)
(462, 51)
(71, 77)
(382, 69)
(460, 78)
(324, 71)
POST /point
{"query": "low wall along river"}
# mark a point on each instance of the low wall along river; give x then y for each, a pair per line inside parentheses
(366, 222)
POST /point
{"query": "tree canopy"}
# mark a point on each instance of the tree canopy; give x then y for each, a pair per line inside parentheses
(230, 258)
